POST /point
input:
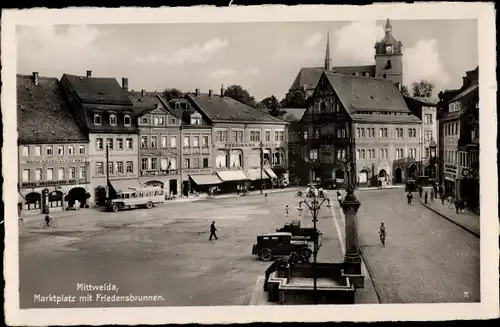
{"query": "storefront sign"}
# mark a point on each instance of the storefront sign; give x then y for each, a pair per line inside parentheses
(44, 162)
(451, 170)
(158, 172)
(252, 145)
(49, 183)
(197, 171)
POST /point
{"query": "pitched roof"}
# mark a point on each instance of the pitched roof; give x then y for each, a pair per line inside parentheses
(42, 113)
(104, 90)
(308, 76)
(350, 70)
(220, 109)
(294, 113)
(145, 103)
(465, 94)
(359, 93)
(427, 101)
(385, 119)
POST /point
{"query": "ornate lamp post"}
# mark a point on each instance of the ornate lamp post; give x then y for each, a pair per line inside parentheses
(314, 206)
(350, 206)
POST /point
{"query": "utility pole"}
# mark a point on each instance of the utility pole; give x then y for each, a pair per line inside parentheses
(261, 167)
(108, 184)
(181, 163)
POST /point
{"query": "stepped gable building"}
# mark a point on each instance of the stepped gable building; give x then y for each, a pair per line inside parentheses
(459, 140)
(388, 65)
(53, 150)
(159, 134)
(250, 146)
(360, 120)
(103, 110)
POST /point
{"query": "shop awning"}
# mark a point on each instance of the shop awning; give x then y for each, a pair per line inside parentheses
(232, 175)
(255, 174)
(270, 172)
(121, 185)
(206, 179)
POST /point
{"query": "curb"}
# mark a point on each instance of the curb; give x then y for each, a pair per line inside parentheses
(451, 220)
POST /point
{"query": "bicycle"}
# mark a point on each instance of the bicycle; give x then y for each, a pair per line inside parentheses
(52, 223)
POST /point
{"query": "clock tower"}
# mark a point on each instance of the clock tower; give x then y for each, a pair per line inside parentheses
(389, 57)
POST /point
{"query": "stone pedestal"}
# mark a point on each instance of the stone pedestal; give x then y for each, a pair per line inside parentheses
(352, 257)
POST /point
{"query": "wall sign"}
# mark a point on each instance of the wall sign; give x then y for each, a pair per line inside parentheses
(43, 162)
(252, 145)
(49, 183)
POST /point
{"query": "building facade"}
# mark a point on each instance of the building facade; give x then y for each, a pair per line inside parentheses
(104, 111)
(52, 149)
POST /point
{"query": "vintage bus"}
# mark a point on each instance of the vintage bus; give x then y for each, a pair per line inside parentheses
(146, 197)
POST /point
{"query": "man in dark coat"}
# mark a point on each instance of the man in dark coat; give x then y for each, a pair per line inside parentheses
(212, 231)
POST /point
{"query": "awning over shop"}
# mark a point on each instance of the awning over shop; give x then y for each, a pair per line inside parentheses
(121, 185)
(270, 172)
(206, 179)
(255, 174)
(232, 175)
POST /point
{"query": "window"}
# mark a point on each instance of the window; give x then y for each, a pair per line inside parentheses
(316, 134)
(164, 141)
(196, 141)
(235, 158)
(38, 175)
(186, 142)
(373, 153)
(111, 167)
(383, 132)
(144, 120)
(204, 141)
(279, 136)
(358, 132)
(205, 162)
(268, 136)
(254, 136)
(50, 174)
(99, 168)
(49, 150)
(195, 120)
(72, 173)
(224, 137)
(119, 167)
(196, 163)
(112, 120)
(240, 136)
(164, 164)
(26, 175)
(173, 142)
(187, 163)
(399, 132)
(130, 143)
(109, 143)
(427, 152)
(129, 167)
(159, 121)
(144, 164)
(362, 153)
(305, 135)
(218, 136)
(97, 118)
(82, 172)
(221, 159)
(154, 163)
(383, 153)
(38, 150)
(60, 150)
(144, 142)
(154, 142)
(60, 174)
(26, 151)
(126, 120)
(173, 163)
(173, 121)
(362, 132)
(313, 154)
(119, 144)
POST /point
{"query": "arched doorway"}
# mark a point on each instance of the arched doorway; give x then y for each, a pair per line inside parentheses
(55, 199)
(153, 184)
(382, 175)
(33, 201)
(77, 193)
(363, 176)
(412, 171)
(398, 175)
(100, 195)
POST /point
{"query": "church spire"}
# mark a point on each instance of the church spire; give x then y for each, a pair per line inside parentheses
(328, 60)
(388, 27)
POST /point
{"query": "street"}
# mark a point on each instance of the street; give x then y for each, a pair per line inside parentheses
(427, 259)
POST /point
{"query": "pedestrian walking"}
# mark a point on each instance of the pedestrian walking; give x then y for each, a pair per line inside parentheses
(432, 195)
(426, 195)
(420, 190)
(382, 234)
(287, 210)
(409, 197)
(339, 197)
(265, 196)
(212, 231)
(450, 202)
(457, 206)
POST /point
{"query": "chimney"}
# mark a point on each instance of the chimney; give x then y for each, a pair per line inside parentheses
(89, 73)
(125, 84)
(143, 92)
(222, 90)
(210, 93)
(35, 79)
(197, 92)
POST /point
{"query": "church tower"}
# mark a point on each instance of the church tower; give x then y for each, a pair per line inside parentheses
(328, 60)
(389, 57)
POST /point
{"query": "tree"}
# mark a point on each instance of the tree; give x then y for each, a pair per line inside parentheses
(272, 105)
(294, 99)
(422, 89)
(404, 91)
(172, 93)
(240, 94)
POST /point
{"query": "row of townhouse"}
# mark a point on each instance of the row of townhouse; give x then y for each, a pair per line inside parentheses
(85, 138)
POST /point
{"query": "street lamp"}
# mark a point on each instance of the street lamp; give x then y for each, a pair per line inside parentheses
(313, 205)
(434, 159)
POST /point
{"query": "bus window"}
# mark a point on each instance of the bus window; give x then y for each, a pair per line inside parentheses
(132, 196)
(126, 195)
(139, 194)
(156, 193)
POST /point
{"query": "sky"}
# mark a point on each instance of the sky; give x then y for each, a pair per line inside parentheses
(263, 58)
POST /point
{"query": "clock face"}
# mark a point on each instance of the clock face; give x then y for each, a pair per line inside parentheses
(388, 48)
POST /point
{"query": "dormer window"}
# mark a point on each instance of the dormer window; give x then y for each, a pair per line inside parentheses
(97, 118)
(126, 120)
(195, 120)
(159, 121)
(112, 120)
(188, 106)
(177, 105)
(144, 120)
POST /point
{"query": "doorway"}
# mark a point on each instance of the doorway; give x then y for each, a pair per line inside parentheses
(172, 187)
(398, 175)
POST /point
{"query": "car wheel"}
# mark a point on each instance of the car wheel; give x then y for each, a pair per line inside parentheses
(149, 205)
(265, 255)
(114, 208)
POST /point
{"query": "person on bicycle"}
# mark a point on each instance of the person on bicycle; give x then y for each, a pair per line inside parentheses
(409, 197)
(47, 220)
(382, 233)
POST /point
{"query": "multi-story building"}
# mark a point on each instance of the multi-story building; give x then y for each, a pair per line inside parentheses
(359, 120)
(388, 65)
(159, 135)
(249, 146)
(53, 150)
(105, 113)
(459, 127)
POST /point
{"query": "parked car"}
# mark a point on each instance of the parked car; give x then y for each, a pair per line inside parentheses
(299, 233)
(279, 244)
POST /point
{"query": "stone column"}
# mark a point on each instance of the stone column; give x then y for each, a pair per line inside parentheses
(352, 256)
